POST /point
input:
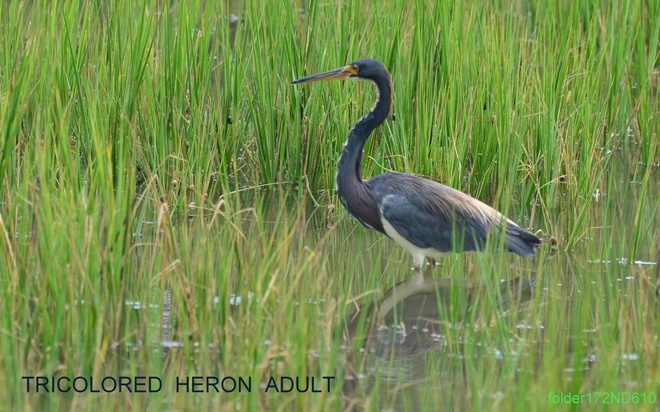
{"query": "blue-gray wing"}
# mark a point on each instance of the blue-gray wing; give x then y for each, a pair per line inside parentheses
(429, 214)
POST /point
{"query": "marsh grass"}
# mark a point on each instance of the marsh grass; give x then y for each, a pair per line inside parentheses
(160, 185)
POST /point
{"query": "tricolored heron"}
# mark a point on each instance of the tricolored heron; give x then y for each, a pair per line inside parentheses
(424, 217)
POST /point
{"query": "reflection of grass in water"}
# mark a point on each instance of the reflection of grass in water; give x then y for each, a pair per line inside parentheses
(119, 124)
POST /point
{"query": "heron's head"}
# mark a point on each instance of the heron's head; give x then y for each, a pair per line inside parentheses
(368, 69)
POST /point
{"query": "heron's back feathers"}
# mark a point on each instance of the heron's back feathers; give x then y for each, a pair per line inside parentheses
(431, 215)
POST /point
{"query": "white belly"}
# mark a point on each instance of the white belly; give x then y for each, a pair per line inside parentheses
(417, 253)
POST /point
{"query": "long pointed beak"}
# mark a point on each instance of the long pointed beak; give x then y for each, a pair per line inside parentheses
(341, 73)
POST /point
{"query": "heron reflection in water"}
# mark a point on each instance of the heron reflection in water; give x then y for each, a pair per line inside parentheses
(424, 217)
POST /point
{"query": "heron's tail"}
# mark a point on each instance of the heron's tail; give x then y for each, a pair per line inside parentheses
(520, 241)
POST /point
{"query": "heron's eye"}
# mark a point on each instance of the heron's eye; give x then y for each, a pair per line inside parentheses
(356, 68)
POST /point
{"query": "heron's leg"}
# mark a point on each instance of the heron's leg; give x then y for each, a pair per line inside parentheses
(419, 275)
(418, 262)
(428, 272)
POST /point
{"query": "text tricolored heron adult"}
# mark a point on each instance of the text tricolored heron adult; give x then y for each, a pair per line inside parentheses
(424, 217)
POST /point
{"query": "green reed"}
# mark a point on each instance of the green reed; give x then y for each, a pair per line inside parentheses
(156, 155)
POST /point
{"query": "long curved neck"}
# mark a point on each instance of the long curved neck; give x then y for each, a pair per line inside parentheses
(351, 156)
(353, 193)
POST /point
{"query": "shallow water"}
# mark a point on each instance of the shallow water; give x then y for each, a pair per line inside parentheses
(476, 329)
